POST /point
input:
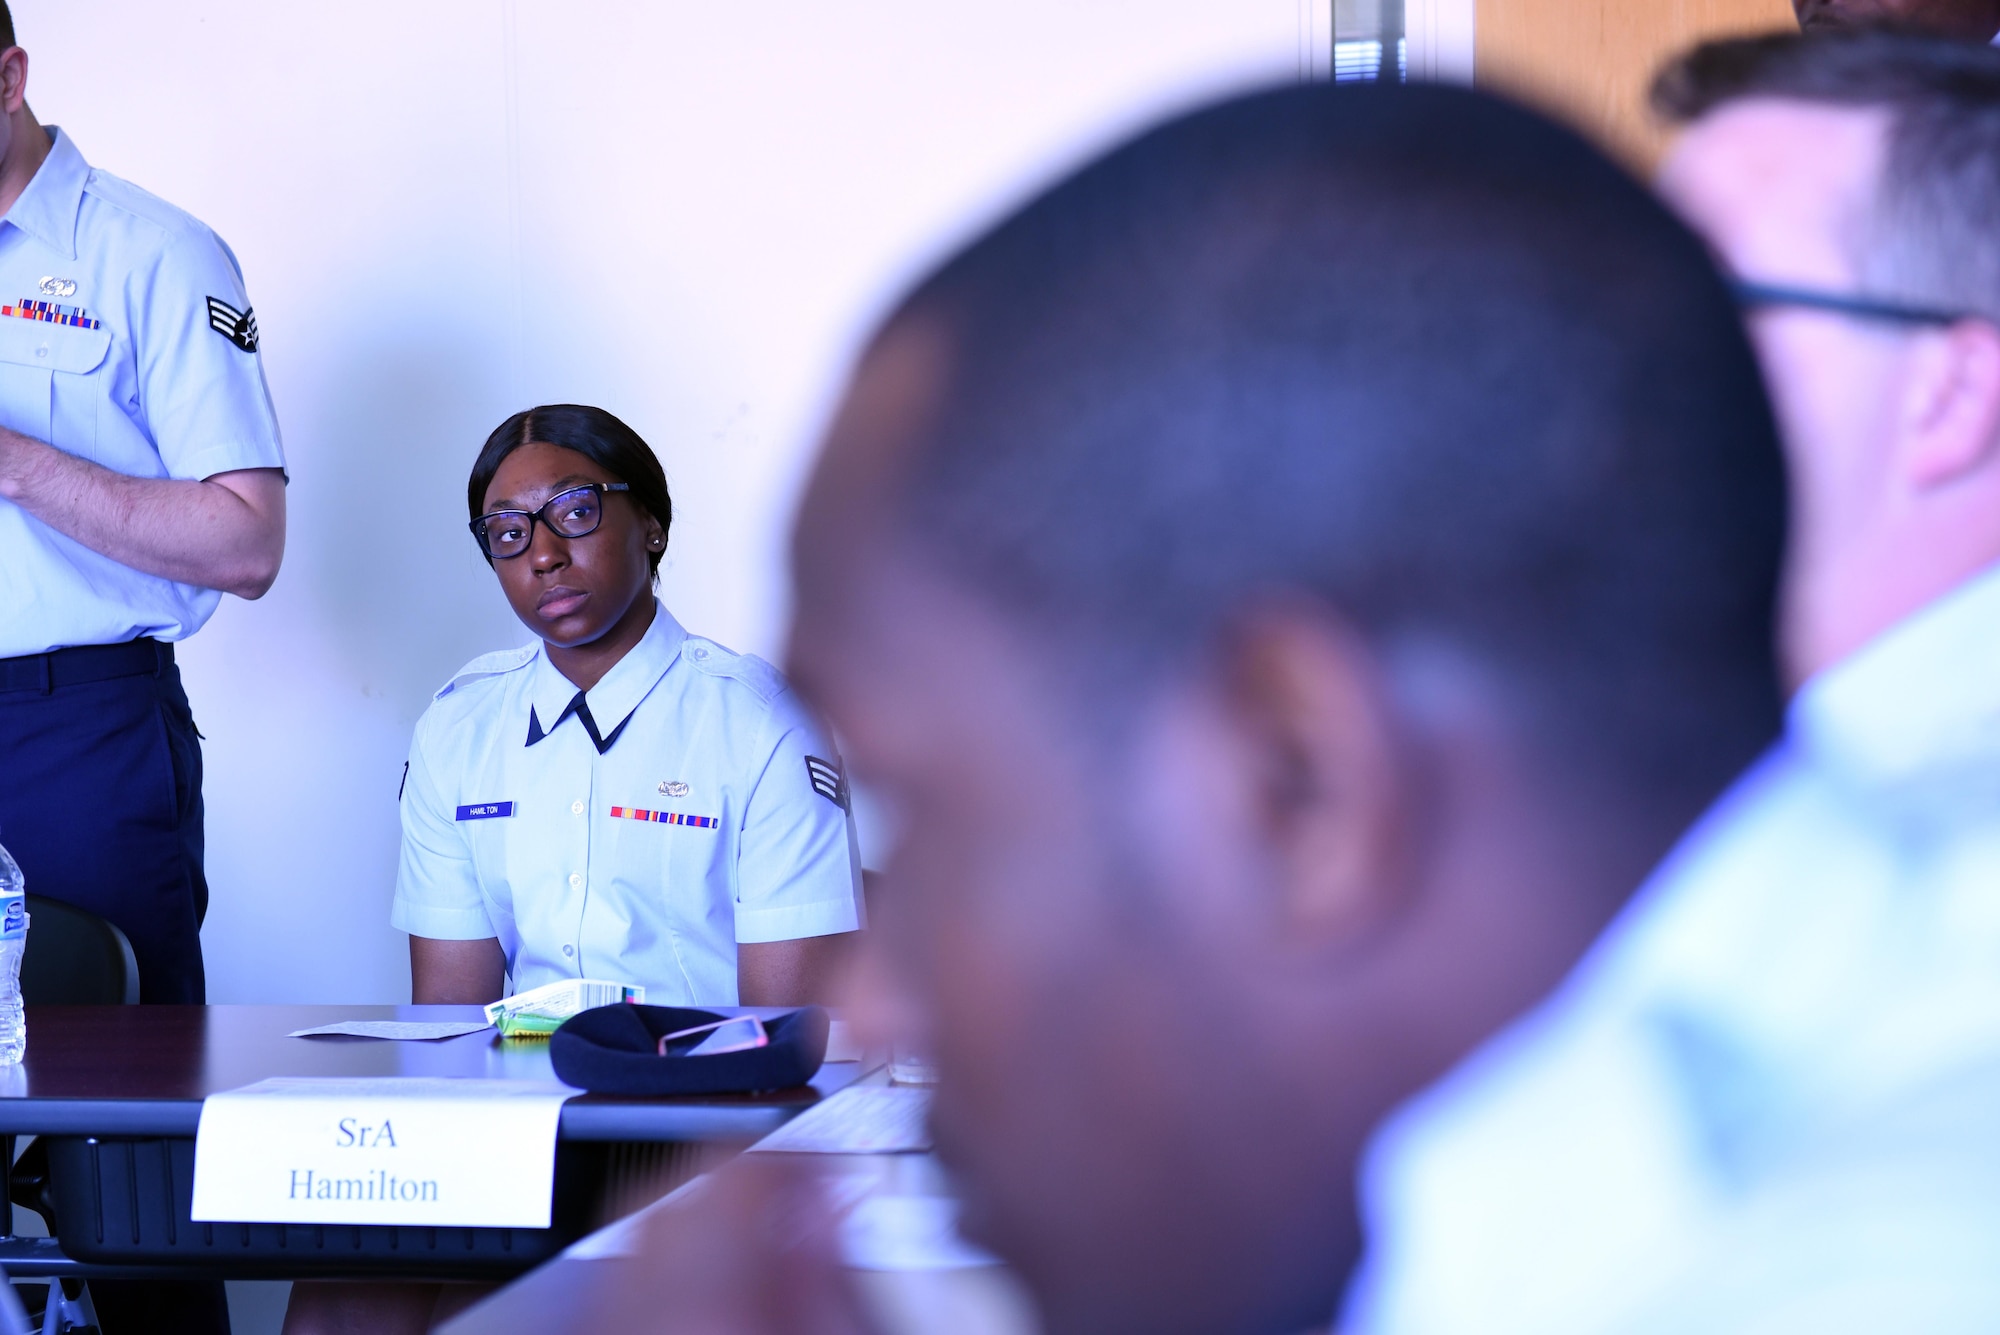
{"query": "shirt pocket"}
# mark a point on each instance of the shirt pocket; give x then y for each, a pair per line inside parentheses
(46, 375)
(667, 859)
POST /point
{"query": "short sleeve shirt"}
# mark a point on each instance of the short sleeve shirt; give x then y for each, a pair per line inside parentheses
(685, 804)
(126, 338)
(1765, 1100)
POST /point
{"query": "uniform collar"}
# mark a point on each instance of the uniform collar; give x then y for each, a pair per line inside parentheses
(47, 209)
(613, 699)
(1918, 707)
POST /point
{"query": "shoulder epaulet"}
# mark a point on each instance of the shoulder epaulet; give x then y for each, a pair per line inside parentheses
(717, 661)
(142, 203)
(495, 664)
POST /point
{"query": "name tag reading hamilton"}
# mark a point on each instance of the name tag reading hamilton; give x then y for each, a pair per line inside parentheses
(486, 811)
(395, 1150)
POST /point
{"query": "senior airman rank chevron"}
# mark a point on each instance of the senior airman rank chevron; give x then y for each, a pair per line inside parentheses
(829, 782)
(74, 316)
(239, 327)
(666, 817)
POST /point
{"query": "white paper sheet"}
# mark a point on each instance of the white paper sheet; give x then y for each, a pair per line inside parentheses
(908, 1233)
(398, 1029)
(394, 1150)
(870, 1119)
(840, 1044)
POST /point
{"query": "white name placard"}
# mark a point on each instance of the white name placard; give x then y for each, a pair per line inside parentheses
(394, 1150)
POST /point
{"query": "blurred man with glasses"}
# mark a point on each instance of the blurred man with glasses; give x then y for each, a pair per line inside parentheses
(1851, 183)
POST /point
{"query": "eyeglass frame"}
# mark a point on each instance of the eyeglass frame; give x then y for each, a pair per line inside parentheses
(1752, 296)
(535, 516)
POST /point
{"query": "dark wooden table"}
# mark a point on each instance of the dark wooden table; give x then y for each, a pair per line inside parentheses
(137, 1075)
(560, 1297)
(144, 1070)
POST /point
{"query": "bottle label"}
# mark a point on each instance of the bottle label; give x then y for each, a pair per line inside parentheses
(13, 917)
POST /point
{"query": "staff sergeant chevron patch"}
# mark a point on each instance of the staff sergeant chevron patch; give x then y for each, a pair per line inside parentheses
(828, 781)
(239, 327)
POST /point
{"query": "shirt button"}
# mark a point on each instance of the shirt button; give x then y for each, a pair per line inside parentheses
(42, 351)
(699, 653)
(576, 880)
(569, 950)
(576, 807)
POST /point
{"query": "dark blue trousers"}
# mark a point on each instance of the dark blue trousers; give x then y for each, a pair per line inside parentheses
(100, 803)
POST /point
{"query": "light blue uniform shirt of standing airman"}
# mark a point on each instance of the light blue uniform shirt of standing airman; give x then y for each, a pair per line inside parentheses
(690, 805)
(126, 339)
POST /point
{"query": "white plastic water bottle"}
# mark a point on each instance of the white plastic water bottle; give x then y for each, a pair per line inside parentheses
(13, 940)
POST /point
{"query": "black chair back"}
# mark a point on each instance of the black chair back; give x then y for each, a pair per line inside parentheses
(75, 958)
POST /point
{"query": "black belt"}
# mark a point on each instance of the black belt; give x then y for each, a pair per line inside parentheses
(90, 662)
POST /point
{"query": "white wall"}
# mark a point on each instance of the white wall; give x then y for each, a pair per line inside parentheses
(1440, 38)
(447, 210)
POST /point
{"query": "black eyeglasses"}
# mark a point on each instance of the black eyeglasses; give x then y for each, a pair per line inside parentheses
(1757, 296)
(575, 513)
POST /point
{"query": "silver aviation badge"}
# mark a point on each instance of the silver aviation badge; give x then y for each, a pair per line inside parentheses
(674, 788)
(58, 287)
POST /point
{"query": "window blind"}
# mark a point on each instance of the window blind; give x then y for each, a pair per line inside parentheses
(1369, 42)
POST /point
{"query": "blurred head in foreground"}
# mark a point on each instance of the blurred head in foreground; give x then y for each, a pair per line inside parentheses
(1964, 20)
(1295, 577)
(1853, 181)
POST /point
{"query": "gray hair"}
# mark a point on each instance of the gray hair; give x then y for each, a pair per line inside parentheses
(1932, 237)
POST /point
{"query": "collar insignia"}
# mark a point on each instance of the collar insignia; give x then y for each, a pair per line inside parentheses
(578, 707)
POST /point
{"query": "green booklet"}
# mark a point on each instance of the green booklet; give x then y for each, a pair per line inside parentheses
(540, 1011)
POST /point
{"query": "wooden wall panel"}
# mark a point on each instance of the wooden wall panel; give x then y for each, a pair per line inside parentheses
(1592, 60)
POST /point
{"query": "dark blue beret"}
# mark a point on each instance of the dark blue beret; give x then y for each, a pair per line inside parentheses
(615, 1050)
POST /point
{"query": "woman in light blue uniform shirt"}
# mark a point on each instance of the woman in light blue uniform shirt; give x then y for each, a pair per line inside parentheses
(618, 799)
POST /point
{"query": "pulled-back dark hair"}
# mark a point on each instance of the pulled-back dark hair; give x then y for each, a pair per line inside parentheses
(1930, 235)
(591, 432)
(6, 26)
